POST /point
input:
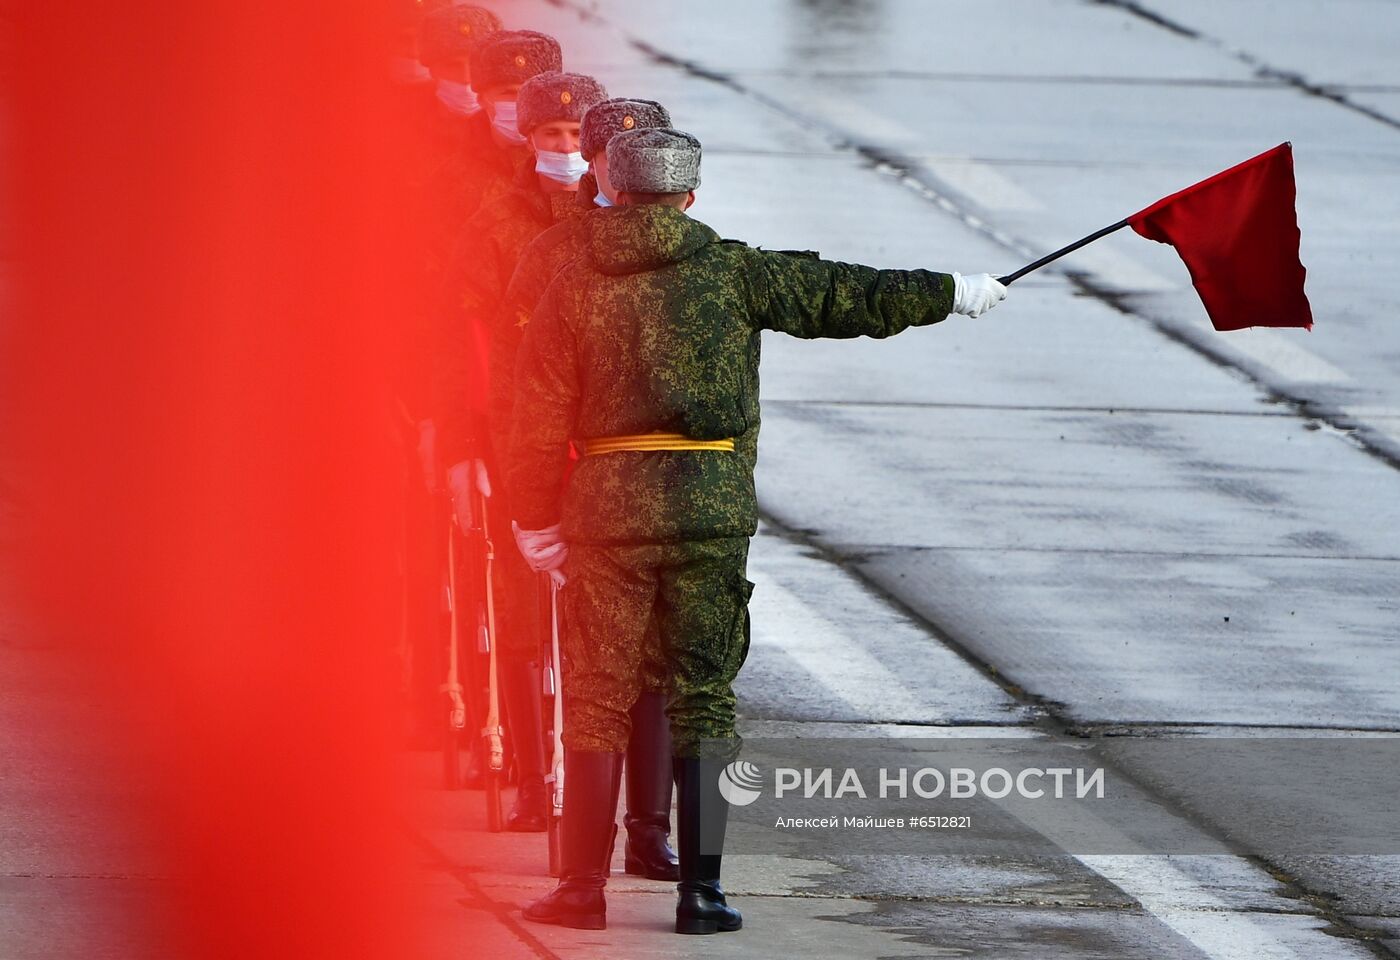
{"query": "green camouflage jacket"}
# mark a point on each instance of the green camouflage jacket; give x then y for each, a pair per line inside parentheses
(656, 328)
(455, 166)
(540, 261)
(475, 335)
(471, 170)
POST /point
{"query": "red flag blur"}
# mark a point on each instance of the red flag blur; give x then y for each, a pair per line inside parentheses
(1237, 233)
(204, 206)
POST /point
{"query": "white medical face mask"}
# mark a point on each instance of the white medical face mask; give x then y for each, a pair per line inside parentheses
(602, 200)
(458, 98)
(503, 119)
(561, 167)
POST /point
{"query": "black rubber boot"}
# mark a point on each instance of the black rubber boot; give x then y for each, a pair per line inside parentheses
(591, 783)
(702, 814)
(612, 818)
(648, 817)
(520, 684)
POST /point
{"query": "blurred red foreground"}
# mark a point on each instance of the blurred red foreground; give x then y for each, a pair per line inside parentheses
(204, 207)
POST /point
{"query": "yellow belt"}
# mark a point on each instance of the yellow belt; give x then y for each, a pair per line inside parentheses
(652, 441)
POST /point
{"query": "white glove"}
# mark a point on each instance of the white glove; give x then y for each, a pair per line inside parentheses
(544, 550)
(427, 453)
(976, 294)
(464, 479)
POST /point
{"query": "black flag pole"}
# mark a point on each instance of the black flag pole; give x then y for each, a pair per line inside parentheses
(1052, 257)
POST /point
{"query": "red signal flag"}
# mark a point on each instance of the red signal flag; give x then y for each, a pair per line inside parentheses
(1237, 233)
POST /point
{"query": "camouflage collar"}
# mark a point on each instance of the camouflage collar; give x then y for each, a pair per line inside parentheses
(633, 239)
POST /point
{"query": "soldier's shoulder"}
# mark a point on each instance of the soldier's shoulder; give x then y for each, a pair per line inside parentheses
(542, 259)
(511, 203)
(572, 275)
(557, 239)
(563, 293)
(742, 248)
(744, 259)
(493, 211)
(728, 250)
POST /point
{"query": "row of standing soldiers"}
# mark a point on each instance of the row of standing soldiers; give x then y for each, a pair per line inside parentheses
(595, 360)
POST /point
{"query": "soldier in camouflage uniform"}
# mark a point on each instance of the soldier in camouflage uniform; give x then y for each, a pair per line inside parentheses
(405, 64)
(463, 164)
(648, 766)
(550, 109)
(492, 149)
(547, 253)
(485, 156)
(645, 352)
(447, 125)
(436, 120)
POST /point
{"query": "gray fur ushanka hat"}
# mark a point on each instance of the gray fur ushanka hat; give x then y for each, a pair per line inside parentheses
(450, 32)
(555, 97)
(514, 56)
(611, 117)
(654, 161)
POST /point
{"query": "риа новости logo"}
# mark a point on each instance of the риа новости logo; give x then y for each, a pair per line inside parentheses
(740, 783)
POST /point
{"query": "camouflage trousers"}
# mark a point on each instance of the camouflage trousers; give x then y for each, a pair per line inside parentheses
(521, 631)
(683, 606)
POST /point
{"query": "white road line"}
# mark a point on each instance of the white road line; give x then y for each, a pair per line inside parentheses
(979, 182)
(983, 184)
(856, 115)
(1121, 272)
(824, 650)
(1281, 355)
(1219, 929)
